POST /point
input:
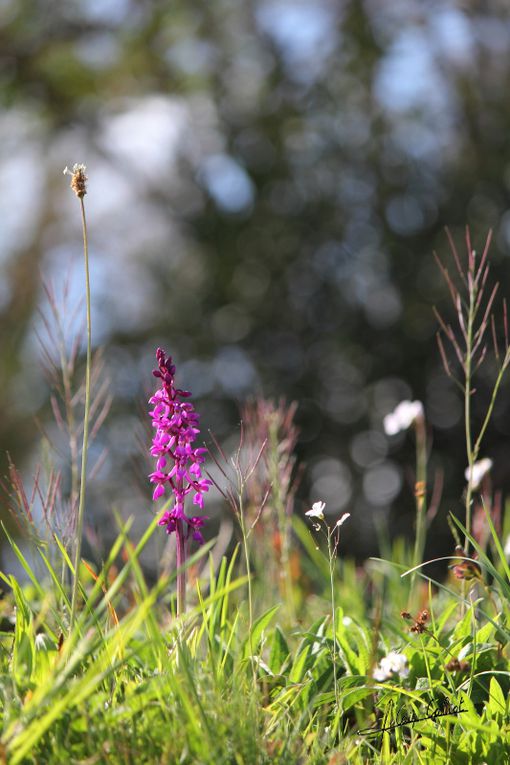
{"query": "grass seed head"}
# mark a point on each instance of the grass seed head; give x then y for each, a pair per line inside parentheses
(78, 179)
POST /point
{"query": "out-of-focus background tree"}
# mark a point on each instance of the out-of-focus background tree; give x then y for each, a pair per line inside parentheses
(268, 181)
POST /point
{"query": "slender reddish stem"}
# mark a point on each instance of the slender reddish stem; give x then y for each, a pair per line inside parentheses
(181, 573)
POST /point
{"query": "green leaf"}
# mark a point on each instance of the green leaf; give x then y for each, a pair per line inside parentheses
(279, 651)
(497, 705)
(300, 665)
(252, 641)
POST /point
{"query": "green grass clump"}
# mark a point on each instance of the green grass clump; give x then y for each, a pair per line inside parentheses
(131, 683)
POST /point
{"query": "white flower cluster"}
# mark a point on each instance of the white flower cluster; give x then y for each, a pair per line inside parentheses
(317, 511)
(402, 417)
(389, 666)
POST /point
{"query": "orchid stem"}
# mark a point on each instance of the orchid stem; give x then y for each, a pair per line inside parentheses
(181, 573)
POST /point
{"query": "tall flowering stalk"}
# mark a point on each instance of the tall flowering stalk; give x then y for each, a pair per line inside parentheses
(79, 186)
(470, 342)
(271, 490)
(332, 534)
(238, 471)
(177, 464)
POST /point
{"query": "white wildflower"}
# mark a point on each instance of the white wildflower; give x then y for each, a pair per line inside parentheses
(317, 510)
(478, 472)
(342, 520)
(393, 664)
(402, 417)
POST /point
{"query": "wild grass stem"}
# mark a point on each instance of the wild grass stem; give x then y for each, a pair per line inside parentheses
(78, 185)
(283, 518)
(471, 456)
(246, 553)
(332, 555)
(67, 395)
(420, 492)
(470, 346)
(234, 492)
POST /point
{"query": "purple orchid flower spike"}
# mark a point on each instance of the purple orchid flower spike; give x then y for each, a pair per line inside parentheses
(177, 462)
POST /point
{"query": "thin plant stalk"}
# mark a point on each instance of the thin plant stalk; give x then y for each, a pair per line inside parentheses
(246, 552)
(181, 573)
(283, 521)
(242, 479)
(332, 534)
(65, 366)
(71, 425)
(86, 418)
(332, 553)
(180, 559)
(420, 494)
(270, 494)
(235, 496)
(73, 446)
(499, 380)
(470, 452)
(470, 346)
(71, 422)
